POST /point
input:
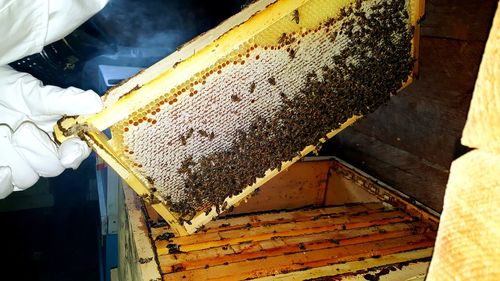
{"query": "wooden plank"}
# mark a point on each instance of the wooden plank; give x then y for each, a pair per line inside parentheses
(338, 235)
(136, 254)
(320, 222)
(458, 19)
(315, 258)
(341, 190)
(387, 194)
(294, 216)
(398, 168)
(169, 260)
(287, 229)
(354, 266)
(414, 271)
(276, 217)
(303, 184)
(282, 251)
(286, 246)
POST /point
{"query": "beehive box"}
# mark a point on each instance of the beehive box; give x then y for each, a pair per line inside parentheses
(319, 220)
(201, 130)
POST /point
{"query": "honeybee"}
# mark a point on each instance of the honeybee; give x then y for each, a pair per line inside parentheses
(252, 87)
(150, 180)
(333, 36)
(272, 81)
(190, 133)
(296, 17)
(235, 98)
(358, 4)
(282, 38)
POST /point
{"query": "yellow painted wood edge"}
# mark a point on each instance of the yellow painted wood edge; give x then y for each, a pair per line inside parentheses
(415, 21)
(202, 218)
(350, 267)
(99, 143)
(203, 59)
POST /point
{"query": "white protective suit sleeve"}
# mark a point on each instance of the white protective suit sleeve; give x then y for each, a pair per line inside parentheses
(29, 110)
(26, 26)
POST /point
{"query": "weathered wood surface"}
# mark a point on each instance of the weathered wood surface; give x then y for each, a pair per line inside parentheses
(296, 243)
(267, 244)
(396, 167)
(135, 250)
(414, 271)
(458, 19)
(341, 190)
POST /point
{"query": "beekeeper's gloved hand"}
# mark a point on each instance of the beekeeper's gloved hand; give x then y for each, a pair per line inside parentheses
(28, 113)
(29, 110)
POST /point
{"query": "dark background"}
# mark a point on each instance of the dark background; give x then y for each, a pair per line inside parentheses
(50, 232)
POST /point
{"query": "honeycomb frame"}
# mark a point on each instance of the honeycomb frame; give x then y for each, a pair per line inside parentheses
(201, 53)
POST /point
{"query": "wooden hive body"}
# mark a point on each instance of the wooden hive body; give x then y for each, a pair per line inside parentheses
(320, 220)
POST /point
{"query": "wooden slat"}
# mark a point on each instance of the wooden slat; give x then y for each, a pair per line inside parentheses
(464, 20)
(295, 242)
(286, 229)
(301, 223)
(302, 215)
(338, 235)
(303, 260)
(278, 217)
(353, 266)
(291, 245)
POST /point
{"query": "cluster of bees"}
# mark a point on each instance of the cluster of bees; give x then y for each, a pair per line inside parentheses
(374, 65)
(202, 133)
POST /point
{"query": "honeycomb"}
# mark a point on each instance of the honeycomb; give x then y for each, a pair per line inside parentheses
(211, 135)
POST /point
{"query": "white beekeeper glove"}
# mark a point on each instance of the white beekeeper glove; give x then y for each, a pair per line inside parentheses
(28, 113)
(29, 110)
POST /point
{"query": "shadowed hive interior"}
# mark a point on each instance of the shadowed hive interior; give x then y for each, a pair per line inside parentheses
(214, 134)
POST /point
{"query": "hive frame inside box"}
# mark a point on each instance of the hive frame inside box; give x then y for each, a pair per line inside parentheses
(197, 54)
(143, 236)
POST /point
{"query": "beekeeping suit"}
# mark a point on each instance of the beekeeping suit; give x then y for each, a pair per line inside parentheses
(28, 109)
